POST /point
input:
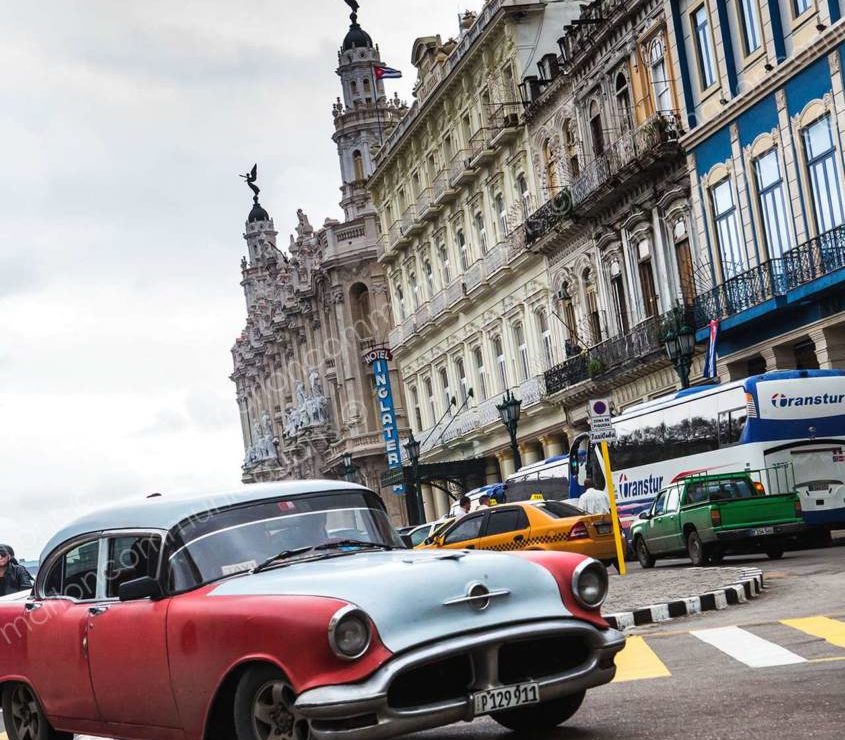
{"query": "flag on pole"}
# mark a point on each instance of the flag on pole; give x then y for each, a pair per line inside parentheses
(387, 73)
(710, 361)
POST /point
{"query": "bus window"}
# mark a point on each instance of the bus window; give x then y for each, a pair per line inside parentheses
(731, 424)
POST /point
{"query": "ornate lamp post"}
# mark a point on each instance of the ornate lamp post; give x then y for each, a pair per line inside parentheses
(348, 468)
(509, 409)
(412, 447)
(679, 341)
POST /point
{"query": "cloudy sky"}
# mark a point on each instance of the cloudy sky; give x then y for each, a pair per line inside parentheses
(123, 127)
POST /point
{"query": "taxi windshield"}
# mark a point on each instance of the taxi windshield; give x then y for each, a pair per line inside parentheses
(224, 542)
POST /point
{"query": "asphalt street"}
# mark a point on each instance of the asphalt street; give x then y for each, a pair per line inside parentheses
(774, 666)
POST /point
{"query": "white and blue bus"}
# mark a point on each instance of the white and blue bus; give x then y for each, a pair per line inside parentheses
(791, 420)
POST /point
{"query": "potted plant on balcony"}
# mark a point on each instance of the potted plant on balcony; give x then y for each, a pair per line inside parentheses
(595, 366)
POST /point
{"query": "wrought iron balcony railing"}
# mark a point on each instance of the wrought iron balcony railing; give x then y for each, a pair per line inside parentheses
(776, 277)
(547, 216)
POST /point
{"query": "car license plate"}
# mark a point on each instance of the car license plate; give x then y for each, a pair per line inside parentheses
(759, 531)
(507, 697)
(818, 486)
(603, 528)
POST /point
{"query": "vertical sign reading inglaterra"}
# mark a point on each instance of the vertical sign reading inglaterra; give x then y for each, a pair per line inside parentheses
(378, 359)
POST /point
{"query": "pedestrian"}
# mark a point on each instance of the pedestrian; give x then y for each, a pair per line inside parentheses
(484, 501)
(463, 507)
(593, 501)
(13, 576)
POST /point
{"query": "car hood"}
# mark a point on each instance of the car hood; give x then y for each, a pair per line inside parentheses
(404, 591)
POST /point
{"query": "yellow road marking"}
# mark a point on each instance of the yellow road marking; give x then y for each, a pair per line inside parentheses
(828, 629)
(638, 661)
(826, 660)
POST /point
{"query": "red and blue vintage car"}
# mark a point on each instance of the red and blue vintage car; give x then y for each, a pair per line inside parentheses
(292, 610)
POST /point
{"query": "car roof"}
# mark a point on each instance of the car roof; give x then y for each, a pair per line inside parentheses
(165, 512)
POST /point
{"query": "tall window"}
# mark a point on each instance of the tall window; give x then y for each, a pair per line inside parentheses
(481, 373)
(550, 160)
(445, 388)
(400, 302)
(443, 254)
(596, 128)
(683, 256)
(367, 89)
(772, 203)
(727, 228)
(462, 378)
(822, 172)
(704, 47)
(617, 288)
(592, 306)
(415, 290)
(802, 6)
(749, 16)
(415, 402)
(429, 276)
(646, 274)
(623, 102)
(429, 392)
(522, 367)
(501, 363)
(481, 232)
(502, 215)
(571, 147)
(358, 165)
(463, 248)
(545, 333)
(524, 194)
(659, 78)
(569, 318)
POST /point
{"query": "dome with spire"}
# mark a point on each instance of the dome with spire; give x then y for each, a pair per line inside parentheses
(257, 213)
(357, 38)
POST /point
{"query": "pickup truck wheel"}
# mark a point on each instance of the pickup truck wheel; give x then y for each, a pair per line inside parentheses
(695, 549)
(643, 555)
(775, 553)
(716, 555)
(24, 717)
(540, 717)
(264, 707)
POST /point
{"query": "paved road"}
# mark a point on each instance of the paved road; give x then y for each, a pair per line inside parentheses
(774, 666)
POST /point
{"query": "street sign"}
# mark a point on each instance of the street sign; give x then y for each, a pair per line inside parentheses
(601, 423)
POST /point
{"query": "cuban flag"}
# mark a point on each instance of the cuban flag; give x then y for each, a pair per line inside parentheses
(387, 73)
(710, 361)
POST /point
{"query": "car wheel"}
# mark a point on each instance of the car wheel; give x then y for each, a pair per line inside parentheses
(264, 707)
(539, 717)
(24, 717)
(774, 554)
(643, 555)
(695, 549)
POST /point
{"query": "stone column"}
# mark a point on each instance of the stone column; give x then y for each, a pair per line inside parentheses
(777, 358)
(491, 472)
(830, 347)
(428, 502)
(505, 463)
(530, 452)
(442, 502)
(552, 445)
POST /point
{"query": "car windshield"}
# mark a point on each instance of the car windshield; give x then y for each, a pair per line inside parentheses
(559, 510)
(220, 543)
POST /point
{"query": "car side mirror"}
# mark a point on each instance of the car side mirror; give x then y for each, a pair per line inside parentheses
(140, 588)
(409, 543)
(428, 541)
(645, 515)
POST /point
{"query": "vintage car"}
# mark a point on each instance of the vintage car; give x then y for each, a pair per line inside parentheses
(292, 610)
(531, 525)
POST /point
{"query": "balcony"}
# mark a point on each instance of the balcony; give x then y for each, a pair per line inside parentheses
(555, 212)
(426, 208)
(474, 276)
(461, 171)
(481, 147)
(394, 233)
(626, 163)
(615, 359)
(778, 282)
(410, 224)
(505, 123)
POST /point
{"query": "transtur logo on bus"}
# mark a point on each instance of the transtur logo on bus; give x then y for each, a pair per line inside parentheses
(641, 487)
(781, 400)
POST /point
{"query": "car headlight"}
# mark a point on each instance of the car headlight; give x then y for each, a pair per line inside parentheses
(589, 584)
(349, 633)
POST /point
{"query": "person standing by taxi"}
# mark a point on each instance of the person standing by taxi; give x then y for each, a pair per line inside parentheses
(13, 576)
(593, 501)
(464, 505)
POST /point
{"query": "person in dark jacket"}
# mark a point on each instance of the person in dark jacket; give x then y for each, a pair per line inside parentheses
(13, 576)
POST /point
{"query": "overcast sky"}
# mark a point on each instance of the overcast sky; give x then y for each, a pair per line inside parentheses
(123, 126)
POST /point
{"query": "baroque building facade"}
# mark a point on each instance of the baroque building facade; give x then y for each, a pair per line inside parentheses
(764, 102)
(473, 307)
(313, 309)
(621, 252)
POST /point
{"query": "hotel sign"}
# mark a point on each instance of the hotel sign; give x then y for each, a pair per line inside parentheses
(378, 359)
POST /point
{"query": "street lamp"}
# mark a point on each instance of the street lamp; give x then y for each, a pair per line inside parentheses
(679, 341)
(412, 447)
(348, 467)
(509, 409)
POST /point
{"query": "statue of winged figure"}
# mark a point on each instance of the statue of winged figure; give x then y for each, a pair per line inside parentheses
(250, 178)
(353, 4)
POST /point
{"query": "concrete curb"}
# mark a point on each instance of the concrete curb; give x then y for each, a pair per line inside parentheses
(749, 586)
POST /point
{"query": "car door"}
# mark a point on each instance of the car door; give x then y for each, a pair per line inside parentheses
(55, 630)
(654, 526)
(127, 641)
(464, 535)
(670, 525)
(507, 528)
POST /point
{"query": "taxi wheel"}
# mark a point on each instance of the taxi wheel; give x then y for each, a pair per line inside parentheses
(540, 717)
(24, 717)
(643, 555)
(264, 707)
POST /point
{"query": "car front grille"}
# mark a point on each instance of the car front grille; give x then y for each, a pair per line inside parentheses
(549, 656)
(432, 683)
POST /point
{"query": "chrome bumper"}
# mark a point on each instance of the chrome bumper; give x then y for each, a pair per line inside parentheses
(362, 712)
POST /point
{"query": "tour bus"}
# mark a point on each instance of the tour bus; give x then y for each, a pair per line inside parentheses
(791, 422)
(556, 466)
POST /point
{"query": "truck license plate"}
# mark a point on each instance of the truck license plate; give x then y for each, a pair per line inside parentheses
(507, 697)
(760, 531)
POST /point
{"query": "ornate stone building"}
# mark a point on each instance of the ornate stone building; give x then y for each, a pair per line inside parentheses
(315, 307)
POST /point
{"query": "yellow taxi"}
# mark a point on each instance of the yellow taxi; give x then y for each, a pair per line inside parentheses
(531, 525)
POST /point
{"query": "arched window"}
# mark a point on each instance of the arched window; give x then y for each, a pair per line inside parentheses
(659, 77)
(463, 381)
(415, 290)
(522, 367)
(545, 334)
(623, 102)
(593, 317)
(524, 194)
(501, 363)
(571, 148)
(463, 248)
(360, 304)
(596, 128)
(551, 167)
(443, 256)
(415, 403)
(481, 373)
(620, 305)
(429, 392)
(481, 232)
(429, 276)
(367, 89)
(353, 87)
(502, 214)
(358, 165)
(445, 388)
(400, 302)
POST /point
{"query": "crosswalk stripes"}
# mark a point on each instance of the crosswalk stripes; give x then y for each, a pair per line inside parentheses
(747, 648)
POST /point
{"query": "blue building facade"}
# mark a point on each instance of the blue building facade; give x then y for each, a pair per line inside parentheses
(764, 112)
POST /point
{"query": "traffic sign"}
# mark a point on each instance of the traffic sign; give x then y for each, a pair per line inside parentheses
(601, 423)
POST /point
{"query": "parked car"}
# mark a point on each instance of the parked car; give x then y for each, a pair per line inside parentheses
(532, 525)
(291, 610)
(419, 534)
(708, 516)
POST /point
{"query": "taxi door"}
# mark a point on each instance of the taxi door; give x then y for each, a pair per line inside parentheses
(464, 534)
(507, 528)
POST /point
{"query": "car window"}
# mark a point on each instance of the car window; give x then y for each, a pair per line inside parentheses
(559, 510)
(418, 535)
(129, 558)
(659, 504)
(672, 499)
(467, 529)
(506, 520)
(74, 575)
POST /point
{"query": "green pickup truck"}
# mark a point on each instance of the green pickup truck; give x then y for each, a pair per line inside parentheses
(707, 517)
